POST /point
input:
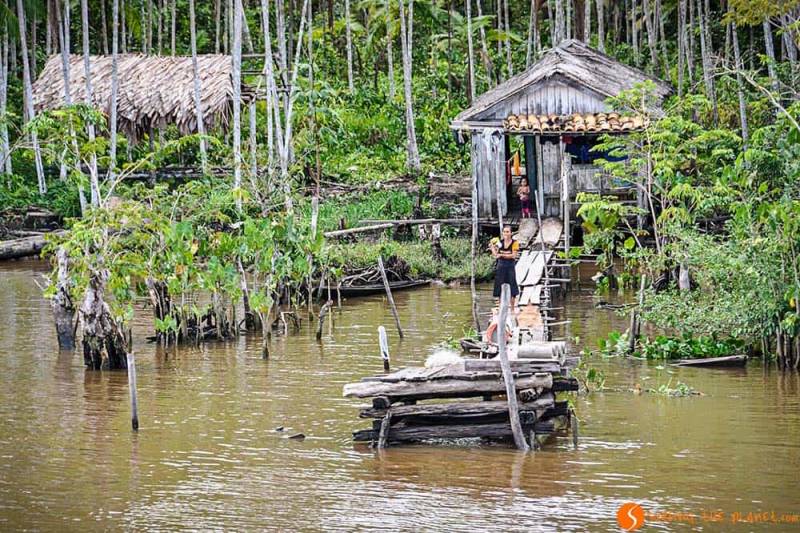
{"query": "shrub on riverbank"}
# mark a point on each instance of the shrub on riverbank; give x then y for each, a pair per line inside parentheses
(454, 266)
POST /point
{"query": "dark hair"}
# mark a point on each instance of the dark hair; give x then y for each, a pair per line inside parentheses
(508, 226)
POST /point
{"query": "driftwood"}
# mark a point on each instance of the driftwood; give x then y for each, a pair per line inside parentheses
(353, 231)
(445, 388)
(24, 247)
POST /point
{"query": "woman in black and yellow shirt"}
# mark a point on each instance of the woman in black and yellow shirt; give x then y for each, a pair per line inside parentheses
(506, 252)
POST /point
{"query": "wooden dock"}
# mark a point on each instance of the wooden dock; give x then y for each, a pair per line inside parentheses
(538, 369)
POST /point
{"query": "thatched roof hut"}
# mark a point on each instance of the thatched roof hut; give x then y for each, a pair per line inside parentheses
(154, 91)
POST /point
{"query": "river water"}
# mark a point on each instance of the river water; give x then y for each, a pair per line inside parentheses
(208, 454)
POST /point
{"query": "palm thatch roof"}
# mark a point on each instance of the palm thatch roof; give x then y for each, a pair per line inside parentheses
(154, 91)
(572, 63)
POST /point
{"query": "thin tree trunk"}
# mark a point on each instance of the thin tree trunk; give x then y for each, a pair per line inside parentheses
(691, 44)
(789, 45)
(34, 40)
(350, 84)
(28, 97)
(412, 156)
(124, 39)
(531, 30)
(487, 61)
(217, 23)
(5, 148)
(651, 35)
(663, 39)
(48, 34)
(198, 100)
(637, 58)
(251, 109)
(739, 83)
(390, 49)
(104, 27)
(499, 28)
(708, 76)
(509, 63)
(114, 89)
(172, 26)
(94, 181)
(601, 25)
(269, 75)
(470, 53)
(237, 98)
(681, 44)
(587, 21)
(770, 49)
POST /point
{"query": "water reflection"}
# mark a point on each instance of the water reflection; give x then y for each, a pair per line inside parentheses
(208, 455)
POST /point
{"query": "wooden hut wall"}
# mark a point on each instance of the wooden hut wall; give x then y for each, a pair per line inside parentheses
(551, 176)
(489, 164)
(553, 96)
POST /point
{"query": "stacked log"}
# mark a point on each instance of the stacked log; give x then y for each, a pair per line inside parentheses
(575, 123)
(399, 416)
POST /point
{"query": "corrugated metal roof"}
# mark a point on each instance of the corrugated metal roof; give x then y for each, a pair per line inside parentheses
(575, 123)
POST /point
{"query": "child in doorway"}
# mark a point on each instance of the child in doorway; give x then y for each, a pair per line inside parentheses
(524, 193)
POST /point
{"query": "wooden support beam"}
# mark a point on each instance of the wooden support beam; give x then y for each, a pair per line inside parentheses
(389, 296)
(508, 376)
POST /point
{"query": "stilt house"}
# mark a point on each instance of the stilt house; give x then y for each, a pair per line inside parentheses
(558, 108)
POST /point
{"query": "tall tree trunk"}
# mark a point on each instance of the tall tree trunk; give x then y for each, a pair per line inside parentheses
(172, 26)
(160, 25)
(558, 21)
(652, 35)
(531, 30)
(124, 37)
(390, 49)
(499, 27)
(269, 76)
(237, 98)
(708, 75)
(681, 44)
(770, 49)
(217, 24)
(471, 52)
(412, 152)
(198, 100)
(94, 181)
(34, 40)
(28, 97)
(48, 34)
(739, 83)
(112, 126)
(487, 60)
(5, 148)
(601, 25)
(104, 27)
(691, 45)
(587, 21)
(663, 40)
(350, 84)
(789, 35)
(637, 58)
(509, 63)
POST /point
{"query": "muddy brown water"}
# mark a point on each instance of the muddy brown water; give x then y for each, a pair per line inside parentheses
(208, 455)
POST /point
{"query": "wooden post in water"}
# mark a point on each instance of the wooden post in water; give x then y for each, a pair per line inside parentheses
(389, 296)
(132, 391)
(634, 331)
(383, 341)
(508, 376)
(474, 247)
(322, 314)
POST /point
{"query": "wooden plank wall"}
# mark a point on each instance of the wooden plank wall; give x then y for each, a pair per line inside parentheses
(489, 161)
(551, 177)
(552, 96)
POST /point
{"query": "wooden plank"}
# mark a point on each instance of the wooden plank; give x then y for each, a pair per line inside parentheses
(545, 401)
(524, 263)
(517, 365)
(443, 388)
(417, 433)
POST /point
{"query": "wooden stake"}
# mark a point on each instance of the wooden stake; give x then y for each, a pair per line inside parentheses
(473, 249)
(132, 391)
(508, 376)
(383, 341)
(389, 296)
(322, 314)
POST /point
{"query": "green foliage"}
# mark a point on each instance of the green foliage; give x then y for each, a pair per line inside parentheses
(687, 347)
